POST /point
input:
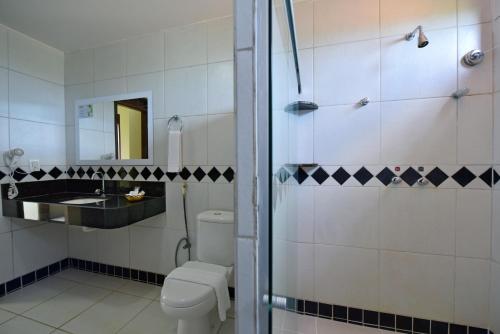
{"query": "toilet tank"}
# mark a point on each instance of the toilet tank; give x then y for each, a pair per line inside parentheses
(215, 237)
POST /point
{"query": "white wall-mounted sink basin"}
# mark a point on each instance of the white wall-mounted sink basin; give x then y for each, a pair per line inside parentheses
(82, 201)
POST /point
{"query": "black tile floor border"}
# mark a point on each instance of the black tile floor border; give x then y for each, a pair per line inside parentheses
(84, 265)
(374, 319)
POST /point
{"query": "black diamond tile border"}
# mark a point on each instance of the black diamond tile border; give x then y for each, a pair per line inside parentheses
(410, 175)
(373, 319)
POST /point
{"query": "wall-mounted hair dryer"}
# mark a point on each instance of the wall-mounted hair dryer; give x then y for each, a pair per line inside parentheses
(11, 158)
(16, 152)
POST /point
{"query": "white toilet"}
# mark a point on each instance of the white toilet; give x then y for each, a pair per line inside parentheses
(195, 304)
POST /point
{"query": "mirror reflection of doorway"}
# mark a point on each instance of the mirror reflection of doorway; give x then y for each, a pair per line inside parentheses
(131, 135)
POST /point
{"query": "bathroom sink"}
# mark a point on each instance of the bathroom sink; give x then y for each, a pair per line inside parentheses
(82, 201)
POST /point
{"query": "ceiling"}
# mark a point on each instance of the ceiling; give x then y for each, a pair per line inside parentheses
(69, 25)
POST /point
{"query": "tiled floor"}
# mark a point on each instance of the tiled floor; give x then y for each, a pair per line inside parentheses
(292, 323)
(80, 302)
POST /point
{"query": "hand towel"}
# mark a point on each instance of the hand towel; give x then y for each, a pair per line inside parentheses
(216, 281)
(174, 151)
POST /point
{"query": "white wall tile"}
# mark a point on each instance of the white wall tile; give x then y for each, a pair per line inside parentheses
(496, 127)
(7, 272)
(70, 145)
(304, 23)
(220, 88)
(399, 17)
(31, 57)
(301, 142)
(220, 40)
(5, 225)
(306, 65)
(472, 292)
(346, 73)
(496, 226)
(4, 92)
(479, 78)
(359, 272)
(473, 227)
(110, 87)
(38, 247)
(186, 91)
(186, 46)
(73, 94)
(245, 284)
(419, 131)
(221, 139)
(475, 137)
(417, 284)
(337, 22)
(36, 100)
(153, 249)
(410, 72)
(346, 216)
(300, 212)
(4, 53)
(299, 270)
(110, 61)
(4, 136)
(221, 196)
(495, 297)
(79, 67)
(474, 11)
(44, 142)
(347, 135)
(150, 82)
(194, 140)
(196, 202)
(114, 246)
(146, 54)
(418, 220)
(160, 141)
(82, 245)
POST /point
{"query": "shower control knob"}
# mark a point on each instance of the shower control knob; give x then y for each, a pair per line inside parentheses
(396, 180)
(474, 57)
(423, 181)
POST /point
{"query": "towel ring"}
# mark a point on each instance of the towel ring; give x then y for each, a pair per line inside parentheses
(175, 119)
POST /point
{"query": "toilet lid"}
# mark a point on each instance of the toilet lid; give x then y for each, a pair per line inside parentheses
(185, 294)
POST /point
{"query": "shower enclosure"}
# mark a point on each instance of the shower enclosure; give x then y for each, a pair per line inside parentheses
(383, 200)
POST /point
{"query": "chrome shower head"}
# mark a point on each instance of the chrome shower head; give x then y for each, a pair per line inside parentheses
(423, 41)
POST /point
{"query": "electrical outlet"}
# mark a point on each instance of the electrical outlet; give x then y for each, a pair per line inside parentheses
(35, 165)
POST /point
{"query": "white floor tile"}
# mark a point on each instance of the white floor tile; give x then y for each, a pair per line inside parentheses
(139, 289)
(69, 304)
(151, 320)
(75, 275)
(22, 325)
(227, 327)
(107, 316)
(106, 282)
(299, 323)
(29, 297)
(4, 316)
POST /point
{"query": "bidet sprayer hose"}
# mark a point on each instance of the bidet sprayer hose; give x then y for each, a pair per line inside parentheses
(186, 239)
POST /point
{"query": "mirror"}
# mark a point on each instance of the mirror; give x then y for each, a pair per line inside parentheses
(115, 128)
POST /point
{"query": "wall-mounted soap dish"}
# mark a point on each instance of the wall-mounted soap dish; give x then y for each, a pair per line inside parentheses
(301, 106)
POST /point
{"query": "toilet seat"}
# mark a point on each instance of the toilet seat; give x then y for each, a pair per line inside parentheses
(185, 294)
(186, 299)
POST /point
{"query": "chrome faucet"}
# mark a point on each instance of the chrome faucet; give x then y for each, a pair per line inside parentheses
(101, 191)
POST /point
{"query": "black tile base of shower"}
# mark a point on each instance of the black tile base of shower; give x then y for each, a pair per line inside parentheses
(373, 319)
(84, 265)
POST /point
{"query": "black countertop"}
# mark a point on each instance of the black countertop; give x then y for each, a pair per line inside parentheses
(41, 201)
